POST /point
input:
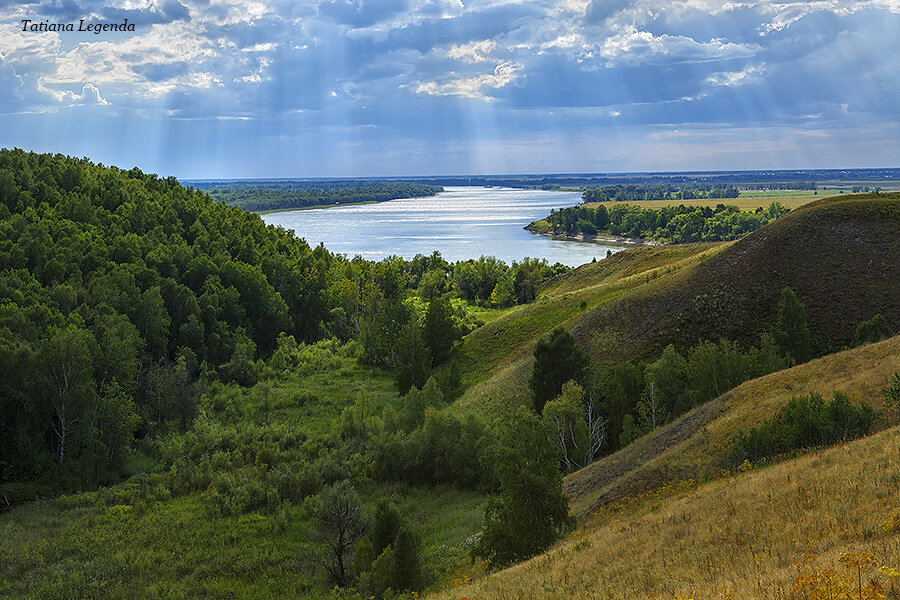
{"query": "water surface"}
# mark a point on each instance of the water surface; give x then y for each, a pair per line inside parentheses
(461, 222)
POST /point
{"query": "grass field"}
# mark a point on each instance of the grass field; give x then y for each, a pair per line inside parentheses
(774, 532)
(139, 539)
(748, 200)
(171, 548)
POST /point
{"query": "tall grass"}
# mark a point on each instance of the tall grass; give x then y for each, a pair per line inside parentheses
(749, 536)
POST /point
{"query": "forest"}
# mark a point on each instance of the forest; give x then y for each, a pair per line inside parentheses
(121, 291)
(270, 195)
(675, 224)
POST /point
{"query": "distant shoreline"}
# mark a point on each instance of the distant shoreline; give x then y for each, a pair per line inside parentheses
(597, 239)
(318, 207)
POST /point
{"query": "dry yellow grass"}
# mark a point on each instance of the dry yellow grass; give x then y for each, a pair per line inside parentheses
(697, 443)
(748, 536)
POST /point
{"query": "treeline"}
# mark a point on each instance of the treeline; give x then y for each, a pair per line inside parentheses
(783, 185)
(123, 294)
(675, 224)
(593, 409)
(282, 195)
(658, 191)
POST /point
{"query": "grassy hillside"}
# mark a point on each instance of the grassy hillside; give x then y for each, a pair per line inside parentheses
(839, 255)
(496, 358)
(748, 536)
(696, 444)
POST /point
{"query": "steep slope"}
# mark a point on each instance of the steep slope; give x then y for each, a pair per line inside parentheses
(749, 536)
(840, 255)
(697, 443)
(496, 358)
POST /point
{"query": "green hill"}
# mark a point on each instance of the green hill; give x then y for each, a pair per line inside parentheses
(840, 256)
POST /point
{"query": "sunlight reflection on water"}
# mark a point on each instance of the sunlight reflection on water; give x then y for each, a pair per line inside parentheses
(462, 223)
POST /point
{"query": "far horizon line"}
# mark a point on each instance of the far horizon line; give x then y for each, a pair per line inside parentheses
(579, 175)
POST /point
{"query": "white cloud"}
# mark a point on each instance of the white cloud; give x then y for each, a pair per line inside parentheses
(473, 52)
(633, 46)
(173, 52)
(267, 47)
(472, 87)
(735, 78)
(90, 94)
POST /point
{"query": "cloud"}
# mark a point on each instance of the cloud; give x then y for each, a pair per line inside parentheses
(734, 78)
(90, 94)
(473, 86)
(633, 46)
(473, 52)
(165, 12)
(600, 10)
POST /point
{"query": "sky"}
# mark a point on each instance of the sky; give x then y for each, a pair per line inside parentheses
(335, 88)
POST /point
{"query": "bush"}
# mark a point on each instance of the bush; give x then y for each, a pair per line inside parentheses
(873, 330)
(444, 450)
(806, 422)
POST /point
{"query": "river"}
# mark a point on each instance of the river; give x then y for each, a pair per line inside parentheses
(461, 222)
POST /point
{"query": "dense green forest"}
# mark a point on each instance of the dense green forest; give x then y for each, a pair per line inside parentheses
(265, 195)
(676, 224)
(120, 291)
(637, 192)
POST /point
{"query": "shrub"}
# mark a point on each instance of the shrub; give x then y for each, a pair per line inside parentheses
(873, 330)
(806, 422)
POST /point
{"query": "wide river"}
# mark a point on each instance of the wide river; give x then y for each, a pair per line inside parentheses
(461, 222)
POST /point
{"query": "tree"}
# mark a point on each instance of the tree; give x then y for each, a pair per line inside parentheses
(408, 560)
(575, 425)
(668, 378)
(119, 345)
(440, 331)
(113, 421)
(340, 523)
(651, 409)
(531, 511)
(557, 359)
(68, 355)
(387, 524)
(398, 562)
(416, 402)
(504, 293)
(891, 393)
(152, 320)
(791, 332)
(413, 359)
(713, 369)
